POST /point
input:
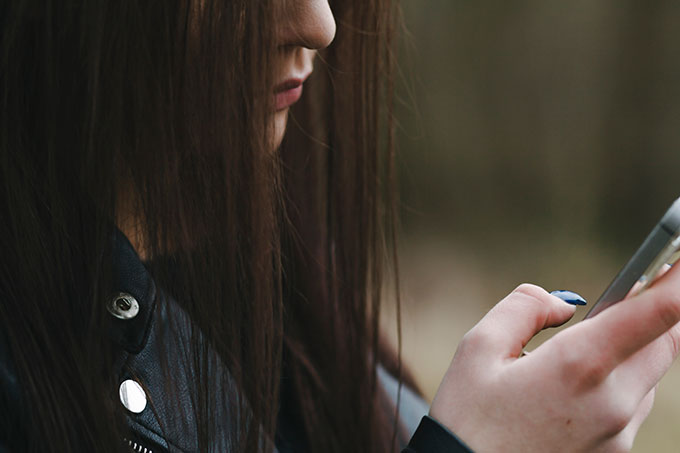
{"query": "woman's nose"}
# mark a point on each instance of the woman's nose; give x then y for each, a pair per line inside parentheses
(307, 23)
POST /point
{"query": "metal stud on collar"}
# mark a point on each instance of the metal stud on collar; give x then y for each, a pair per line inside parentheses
(123, 306)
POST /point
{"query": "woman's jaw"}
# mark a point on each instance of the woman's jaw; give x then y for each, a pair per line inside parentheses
(280, 121)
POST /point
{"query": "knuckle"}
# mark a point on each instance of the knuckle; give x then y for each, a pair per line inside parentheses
(616, 421)
(476, 339)
(592, 374)
(532, 291)
(471, 340)
(619, 444)
(668, 312)
(617, 411)
(673, 339)
(533, 297)
(582, 374)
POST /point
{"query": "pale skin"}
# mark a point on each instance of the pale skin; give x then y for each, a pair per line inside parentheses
(307, 26)
(589, 388)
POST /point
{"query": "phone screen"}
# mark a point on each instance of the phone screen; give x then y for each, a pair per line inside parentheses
(662, 246)
(669, 255)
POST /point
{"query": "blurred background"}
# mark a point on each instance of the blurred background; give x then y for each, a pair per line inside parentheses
(539, 141)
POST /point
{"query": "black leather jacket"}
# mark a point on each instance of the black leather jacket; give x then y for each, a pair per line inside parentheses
(139, 313)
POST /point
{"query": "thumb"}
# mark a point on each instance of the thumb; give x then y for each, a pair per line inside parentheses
(509, 326)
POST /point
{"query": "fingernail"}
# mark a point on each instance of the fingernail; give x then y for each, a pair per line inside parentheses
(569, 297)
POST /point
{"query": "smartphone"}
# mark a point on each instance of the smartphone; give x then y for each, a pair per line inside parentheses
(662, 246)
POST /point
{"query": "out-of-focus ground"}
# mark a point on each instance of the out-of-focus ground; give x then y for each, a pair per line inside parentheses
(539, 141)
(448, 288)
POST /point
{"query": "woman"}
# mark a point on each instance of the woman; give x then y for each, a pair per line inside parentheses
(178, 277)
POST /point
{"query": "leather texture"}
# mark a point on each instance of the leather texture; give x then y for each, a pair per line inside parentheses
(159, 334)
(432, 437)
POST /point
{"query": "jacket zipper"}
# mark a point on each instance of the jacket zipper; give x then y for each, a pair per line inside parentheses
(138, 448)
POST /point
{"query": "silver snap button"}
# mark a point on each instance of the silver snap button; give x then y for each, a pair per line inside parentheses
(123, 306)
(132, 396)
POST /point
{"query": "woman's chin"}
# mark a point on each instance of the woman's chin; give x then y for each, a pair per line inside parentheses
(280, 122)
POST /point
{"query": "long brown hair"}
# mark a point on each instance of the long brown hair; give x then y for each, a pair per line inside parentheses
(158, 108)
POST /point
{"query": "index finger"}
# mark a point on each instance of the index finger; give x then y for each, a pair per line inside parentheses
(624, 328)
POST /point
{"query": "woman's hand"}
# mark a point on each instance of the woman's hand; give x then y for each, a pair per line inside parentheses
(588, 388)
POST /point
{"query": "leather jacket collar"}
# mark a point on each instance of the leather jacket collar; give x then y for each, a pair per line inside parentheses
(131, 277)
(157, 331)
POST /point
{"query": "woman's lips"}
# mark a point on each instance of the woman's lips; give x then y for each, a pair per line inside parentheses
(287, 93)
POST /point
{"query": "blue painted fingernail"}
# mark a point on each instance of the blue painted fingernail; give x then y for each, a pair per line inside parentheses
(569, 297)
